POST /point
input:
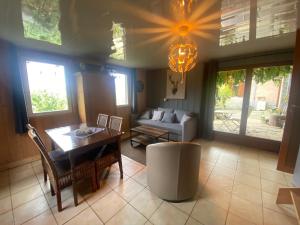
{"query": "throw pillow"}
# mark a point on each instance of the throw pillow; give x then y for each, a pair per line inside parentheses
(168, 117)
(157, 115)
(146, 115)
(184, 119)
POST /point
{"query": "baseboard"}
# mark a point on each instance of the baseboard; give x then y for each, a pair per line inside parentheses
(19, 163)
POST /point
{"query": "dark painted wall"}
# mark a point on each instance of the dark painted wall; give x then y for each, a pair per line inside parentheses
(156, 91)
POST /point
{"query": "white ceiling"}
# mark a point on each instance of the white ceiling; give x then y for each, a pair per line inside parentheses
(86, 32)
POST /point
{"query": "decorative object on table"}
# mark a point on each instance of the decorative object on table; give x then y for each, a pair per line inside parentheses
(59, 170)
(175, 86)
(173, 170)
(84, 131)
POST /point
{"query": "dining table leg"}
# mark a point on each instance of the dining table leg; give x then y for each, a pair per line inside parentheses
(120, 157)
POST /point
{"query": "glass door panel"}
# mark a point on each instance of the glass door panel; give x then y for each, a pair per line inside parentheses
(229, 101)
(268, 102)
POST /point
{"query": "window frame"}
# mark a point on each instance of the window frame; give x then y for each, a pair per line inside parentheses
(42, 58)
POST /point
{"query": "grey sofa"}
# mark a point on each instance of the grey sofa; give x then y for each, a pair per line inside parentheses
(179, 130)
(173, 170)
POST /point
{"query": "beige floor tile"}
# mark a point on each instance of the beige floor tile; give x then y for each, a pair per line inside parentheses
(272, 175)
(217, 196)
(248, 193)
(209, 213)
(246, 179)
(45, 218)
(185, 206)
(127, 216)
(129, 189)
(246, 210)
(5, 205)
(227, 163)
(248, 169)
(273, 218)
(4, 191)
(249, 161)
(7, 218)
(113, 179)
(192, 221)
(65, 195)
(108, 206)
(92, 197)
(132, 168)
(223, 171)
(86, 217)
(235, 220)
(146, 203)
(141, 177)
(38, 169)
(17, 174)
(36, 163)
(148, 223)
(270, 187)
(69, 210)
(23, 184)
(269, 202)
(26, 195)
(30, 210)
(220, 182)
(167, 214)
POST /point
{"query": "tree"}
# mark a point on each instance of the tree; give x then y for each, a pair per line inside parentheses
(42, 101)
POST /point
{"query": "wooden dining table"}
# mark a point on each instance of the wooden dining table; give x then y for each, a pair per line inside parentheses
(63, 139)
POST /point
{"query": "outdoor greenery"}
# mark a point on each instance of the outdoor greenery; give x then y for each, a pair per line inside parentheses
(41, 20)
(118, 40)
(42, 101)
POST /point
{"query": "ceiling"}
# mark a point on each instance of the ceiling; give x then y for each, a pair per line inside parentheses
(85, 27)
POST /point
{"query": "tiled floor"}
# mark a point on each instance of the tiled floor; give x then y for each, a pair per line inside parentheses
(237, 186)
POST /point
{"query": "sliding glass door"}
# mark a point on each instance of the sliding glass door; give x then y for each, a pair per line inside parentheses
(252, 101)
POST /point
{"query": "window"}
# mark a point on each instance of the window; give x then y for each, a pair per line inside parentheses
(229, 100)
(121, 87)
(264, 108)
(47, 88)
(41, 20)
(235, 21)
(276, 17)
(273, 18)
(118, 47)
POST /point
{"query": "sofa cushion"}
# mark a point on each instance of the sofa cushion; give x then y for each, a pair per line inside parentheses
(168, 118)
(175, 128)
(167, 110)
(179, 114)
(157, 115)
(147, 114)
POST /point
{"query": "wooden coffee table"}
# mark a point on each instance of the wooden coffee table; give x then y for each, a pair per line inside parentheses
(146, 135)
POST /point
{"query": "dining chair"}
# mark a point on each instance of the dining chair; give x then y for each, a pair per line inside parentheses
(110, 153)
(102, 120)
(58, 167)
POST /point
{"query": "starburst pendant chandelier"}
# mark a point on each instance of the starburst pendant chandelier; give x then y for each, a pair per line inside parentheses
(182, 57)
(183, 54)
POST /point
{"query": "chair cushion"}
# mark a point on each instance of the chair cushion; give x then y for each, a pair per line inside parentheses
(58, 156)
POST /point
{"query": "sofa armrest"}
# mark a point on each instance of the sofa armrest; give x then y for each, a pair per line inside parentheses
(189, 129)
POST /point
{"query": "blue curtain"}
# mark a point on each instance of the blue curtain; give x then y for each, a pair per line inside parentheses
(20, 112)
(132, 79)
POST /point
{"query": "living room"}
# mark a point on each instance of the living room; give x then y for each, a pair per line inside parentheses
(150, 112)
